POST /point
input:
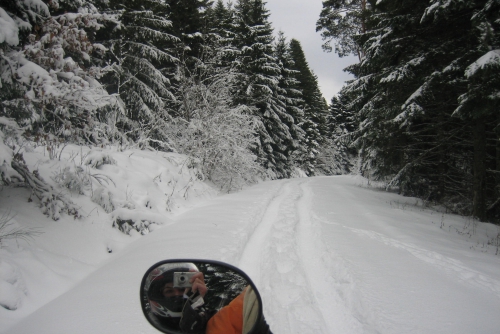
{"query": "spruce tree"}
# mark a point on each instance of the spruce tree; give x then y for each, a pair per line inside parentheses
(416, 72)
(388, 77)
(315, 107)
(341, 128)
(479, 105)
(220, 33)
(258, 79)
(49, 87)
(18, 20)
(291, 96)
(139, 62)
(50, 83)
(220, 19)
(188, 22)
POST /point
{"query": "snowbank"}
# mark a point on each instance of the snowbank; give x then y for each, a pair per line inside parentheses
(129, 190)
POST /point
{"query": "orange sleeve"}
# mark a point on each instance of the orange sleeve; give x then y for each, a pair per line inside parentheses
(229, 319)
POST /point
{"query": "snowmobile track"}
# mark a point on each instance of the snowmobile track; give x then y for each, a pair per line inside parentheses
(286, 257)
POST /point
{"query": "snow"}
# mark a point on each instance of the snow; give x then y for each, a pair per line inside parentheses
(31, 73)
(437, 7)
(9, 32)
(489, 60)
(38, 6)
(328, 254)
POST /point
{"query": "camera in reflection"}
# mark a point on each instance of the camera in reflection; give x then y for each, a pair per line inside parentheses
(181, 279)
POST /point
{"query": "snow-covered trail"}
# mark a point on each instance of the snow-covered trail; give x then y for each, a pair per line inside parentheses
(285, 256)
(331, 257)
(327, 255)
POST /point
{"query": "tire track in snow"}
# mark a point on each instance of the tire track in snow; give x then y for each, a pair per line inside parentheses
(288, 300)
(285, 257)
(252, 254)
(330, 285)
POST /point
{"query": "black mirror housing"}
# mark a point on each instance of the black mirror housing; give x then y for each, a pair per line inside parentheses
(229, 289)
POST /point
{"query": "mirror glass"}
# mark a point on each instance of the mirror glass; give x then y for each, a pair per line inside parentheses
(195, 296)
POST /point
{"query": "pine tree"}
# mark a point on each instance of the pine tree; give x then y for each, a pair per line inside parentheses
(50, 83)
(341, 128)
(188, 22)
(315, 107)
(291, 97)
(257, 86)
(480, 104)
(407, 89)
(220, 19)
(341, 21)
(138, 64)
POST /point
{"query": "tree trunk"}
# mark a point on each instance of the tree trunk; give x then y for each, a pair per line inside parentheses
(479, 186)
(497, 165)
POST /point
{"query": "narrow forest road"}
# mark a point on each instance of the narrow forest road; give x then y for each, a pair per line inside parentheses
(328, 255)
(332, 257)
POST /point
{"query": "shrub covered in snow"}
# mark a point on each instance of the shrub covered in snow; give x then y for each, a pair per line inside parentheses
(219, 136)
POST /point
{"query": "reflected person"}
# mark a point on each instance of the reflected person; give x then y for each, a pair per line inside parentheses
(178, 310)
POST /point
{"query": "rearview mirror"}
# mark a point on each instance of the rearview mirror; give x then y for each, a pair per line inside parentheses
(225, 297)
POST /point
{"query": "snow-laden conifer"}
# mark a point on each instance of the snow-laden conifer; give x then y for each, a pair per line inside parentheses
(137, 65)
(49, 82)
(424, 100)
(337, 153)
(51, 96)
(315, 107)
(290, 94)
(257, 85)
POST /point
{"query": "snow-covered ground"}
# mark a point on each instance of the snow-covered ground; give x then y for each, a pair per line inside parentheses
(328, 255)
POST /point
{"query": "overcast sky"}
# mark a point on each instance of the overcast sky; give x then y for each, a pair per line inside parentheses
(297, 19)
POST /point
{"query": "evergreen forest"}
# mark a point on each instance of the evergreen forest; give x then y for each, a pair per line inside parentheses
(214, 81)
(423, 108)
(208, 79)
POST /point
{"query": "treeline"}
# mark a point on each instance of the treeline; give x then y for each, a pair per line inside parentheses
(203, 78)
(425, 97)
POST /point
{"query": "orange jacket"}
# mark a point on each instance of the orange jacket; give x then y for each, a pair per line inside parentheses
(229, 319)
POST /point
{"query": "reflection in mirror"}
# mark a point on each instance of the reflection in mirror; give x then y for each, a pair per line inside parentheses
(199, 297)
